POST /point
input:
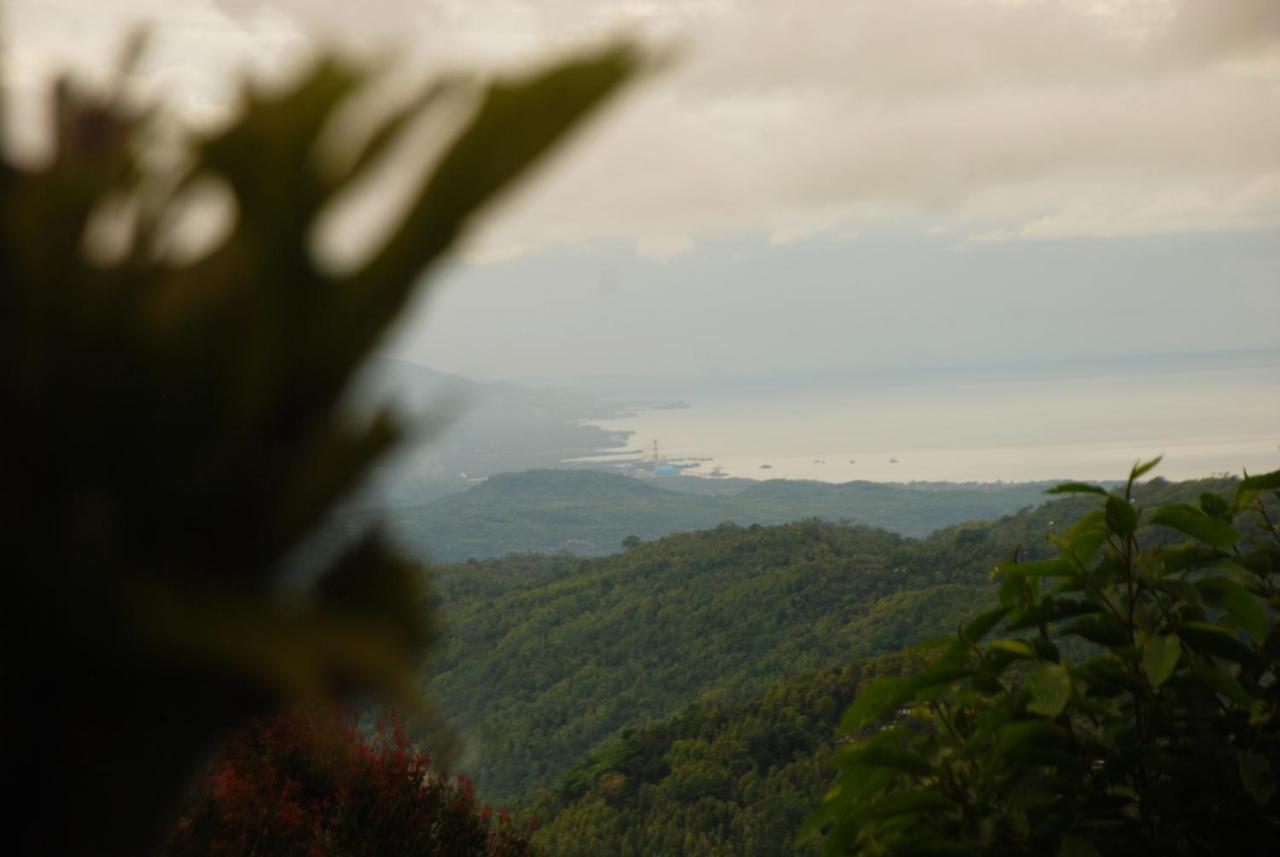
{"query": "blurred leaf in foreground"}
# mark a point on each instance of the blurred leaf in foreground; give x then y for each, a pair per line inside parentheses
(175, 425)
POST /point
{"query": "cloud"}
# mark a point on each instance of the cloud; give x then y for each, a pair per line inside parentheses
(1036, 119)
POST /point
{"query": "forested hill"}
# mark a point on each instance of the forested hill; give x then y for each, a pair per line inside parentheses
(544, 657)
(720, 780)
(536, 677)
(590, 512)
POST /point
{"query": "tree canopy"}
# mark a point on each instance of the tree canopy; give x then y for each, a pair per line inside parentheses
(1160, 736)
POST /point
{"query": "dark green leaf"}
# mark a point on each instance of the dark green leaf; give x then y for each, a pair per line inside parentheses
(1013, 588)
(1160, 656)
(1104, 629)
(1220, 683)
(1016, 737)
(1140, 470)
(1188, 556)
(1215, 506)
(1017, 648)
(1240, 604)
(1077, 846)
(982, 624)
(884, 754)
(1215, 640)
(1050, 688)
(1045, 568)
(1256, 775)
(907, 801)
(1191, 521)
(1053, 610)
(952, 665)
(1077, 488)
(1121, 517)
(875, 701)
(1108, 674)
(1261, 482)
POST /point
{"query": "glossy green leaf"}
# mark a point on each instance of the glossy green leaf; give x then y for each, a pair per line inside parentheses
(1160, 656)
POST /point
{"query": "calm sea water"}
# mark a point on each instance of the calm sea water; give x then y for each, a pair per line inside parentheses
(1203, 420)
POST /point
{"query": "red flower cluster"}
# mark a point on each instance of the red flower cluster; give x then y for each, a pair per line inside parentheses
(292, 784)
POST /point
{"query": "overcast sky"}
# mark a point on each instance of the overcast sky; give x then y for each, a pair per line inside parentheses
(816, 184)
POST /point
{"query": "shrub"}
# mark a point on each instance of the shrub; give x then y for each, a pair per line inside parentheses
(1160, 735)
(293, 785)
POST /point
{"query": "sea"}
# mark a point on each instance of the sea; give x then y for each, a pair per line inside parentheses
(1206, 414)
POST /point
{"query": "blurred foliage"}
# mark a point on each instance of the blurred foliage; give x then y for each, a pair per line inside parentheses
(176, 428)
(1163, 739)
(292, 784)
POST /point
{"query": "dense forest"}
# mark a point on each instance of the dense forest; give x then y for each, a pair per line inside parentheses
(722, 779)
(591, 512)
(545, 657)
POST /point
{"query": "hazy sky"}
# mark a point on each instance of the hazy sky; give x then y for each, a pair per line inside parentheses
(818, 184)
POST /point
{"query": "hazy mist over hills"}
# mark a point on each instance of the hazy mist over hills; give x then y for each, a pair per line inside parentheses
(592, 512)
(714, 428)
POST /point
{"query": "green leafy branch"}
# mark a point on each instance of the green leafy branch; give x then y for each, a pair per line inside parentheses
(1159, 734)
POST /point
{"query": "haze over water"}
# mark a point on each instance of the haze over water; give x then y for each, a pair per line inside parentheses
(1204, 419)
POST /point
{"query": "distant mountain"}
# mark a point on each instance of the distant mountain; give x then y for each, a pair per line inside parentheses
(590, 512)
(468, 430)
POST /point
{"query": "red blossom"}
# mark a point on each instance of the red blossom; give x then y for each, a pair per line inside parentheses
(287, 786)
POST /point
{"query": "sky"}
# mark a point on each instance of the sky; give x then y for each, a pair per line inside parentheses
(812, 185)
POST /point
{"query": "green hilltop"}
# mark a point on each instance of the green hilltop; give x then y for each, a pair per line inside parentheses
(590, 512)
